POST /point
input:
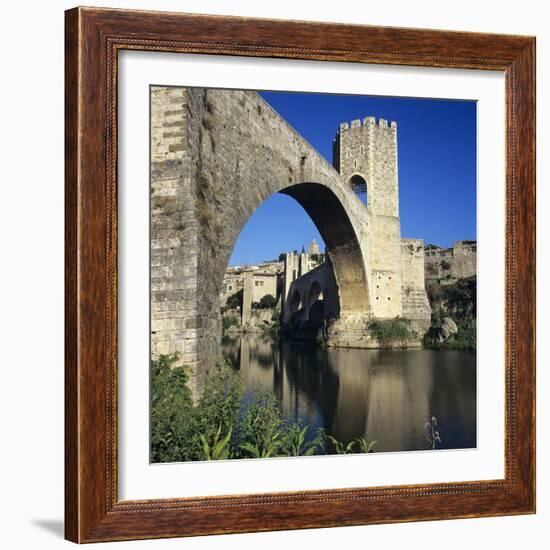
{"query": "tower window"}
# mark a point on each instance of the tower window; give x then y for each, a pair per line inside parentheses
(362, 149)
(355, 163)
(359, 186)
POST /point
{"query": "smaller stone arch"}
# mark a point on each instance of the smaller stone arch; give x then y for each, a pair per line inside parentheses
(295, 301)
(358, 184)
(315, 293)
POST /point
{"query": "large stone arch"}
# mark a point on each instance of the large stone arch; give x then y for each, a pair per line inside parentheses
(216, 156)
(337, 229)
(325, 205)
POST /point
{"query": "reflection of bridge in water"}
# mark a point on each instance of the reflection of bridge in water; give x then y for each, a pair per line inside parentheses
(386, 395)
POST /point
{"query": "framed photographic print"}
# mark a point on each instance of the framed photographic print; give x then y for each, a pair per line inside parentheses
(300, 275)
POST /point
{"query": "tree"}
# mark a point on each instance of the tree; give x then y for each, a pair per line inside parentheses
(267, 301)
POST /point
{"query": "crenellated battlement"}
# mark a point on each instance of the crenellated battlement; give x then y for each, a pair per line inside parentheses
(356, 150)
(367, 121)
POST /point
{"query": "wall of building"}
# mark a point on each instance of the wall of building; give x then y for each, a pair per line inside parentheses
(447, 265)
(264, 284)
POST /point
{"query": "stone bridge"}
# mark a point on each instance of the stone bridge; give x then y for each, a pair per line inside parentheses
(216, 156)
(313, 297)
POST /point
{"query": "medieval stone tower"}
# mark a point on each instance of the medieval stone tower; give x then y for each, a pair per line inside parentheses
(365, 154)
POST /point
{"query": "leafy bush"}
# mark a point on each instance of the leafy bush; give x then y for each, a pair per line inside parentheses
(357, 445)
(220, 449)
(219, 405)
(267, 302)
(171, 406)
(180, 428)
(389, 331)
(457, 301)
(228, 321)
(460, 298)
(295, 442)
(261, 430)
(464, 339)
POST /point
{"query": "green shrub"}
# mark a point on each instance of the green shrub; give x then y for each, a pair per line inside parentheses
(179, 427)
(357, 445)
(390, 330)
(229, 321)
(460, 298)
(464, 339)
(220, 402)
(219, 449)
(267, 302)
(171, 406)
(260, 433)
(295, 441)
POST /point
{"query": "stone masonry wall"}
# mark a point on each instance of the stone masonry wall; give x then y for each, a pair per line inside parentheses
(447, 265)
(174, 229)
(415, 302)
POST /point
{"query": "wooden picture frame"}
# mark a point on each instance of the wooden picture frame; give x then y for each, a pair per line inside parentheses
(93, 511)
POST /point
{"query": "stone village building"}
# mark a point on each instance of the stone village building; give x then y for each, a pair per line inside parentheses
(447, 265)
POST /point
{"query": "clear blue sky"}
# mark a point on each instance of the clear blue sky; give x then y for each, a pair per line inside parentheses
(437, 169)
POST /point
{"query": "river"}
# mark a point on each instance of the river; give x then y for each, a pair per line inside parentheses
(387, 395)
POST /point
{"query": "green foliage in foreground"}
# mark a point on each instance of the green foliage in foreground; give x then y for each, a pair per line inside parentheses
(390, 331)
(182, 430)
(357, 445)
(222, 424)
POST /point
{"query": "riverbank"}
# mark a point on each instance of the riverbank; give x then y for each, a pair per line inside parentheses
(227, 421)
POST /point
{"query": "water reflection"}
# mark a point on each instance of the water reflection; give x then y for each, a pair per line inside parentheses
(386, 395)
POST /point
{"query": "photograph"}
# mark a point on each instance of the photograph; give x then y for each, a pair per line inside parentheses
(312, 274)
